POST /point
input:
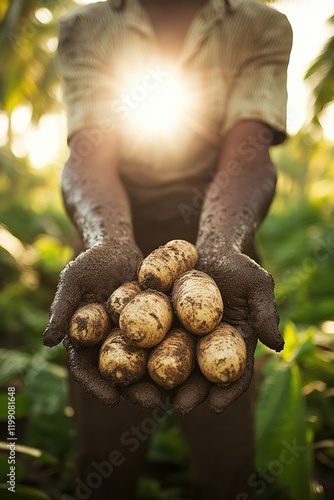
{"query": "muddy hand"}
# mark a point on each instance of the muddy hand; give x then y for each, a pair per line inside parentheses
(249, 305)
(95, 272)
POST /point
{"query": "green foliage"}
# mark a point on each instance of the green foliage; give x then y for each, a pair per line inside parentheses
(282, 440)
(167, 453)
(296, 406)
(24, 51)
(321, 73)
(23, 493)
(297, 238)
(35, 235)
(42, 419)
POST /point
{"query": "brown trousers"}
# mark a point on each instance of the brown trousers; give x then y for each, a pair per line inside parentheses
(111, 444)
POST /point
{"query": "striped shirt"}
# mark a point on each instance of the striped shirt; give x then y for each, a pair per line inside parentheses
(232, 66)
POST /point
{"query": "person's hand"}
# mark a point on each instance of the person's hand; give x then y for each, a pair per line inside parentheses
(83, 362)
(92, 277)
(249, 306)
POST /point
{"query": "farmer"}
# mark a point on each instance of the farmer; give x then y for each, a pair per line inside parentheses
(172, 107)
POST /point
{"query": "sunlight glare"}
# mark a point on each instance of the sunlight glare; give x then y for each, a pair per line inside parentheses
(21, 118)
(310, 31)
(43, 142)
(85, 2)
(19, 147)
(43, 15)
(51, 44)
(162, 109)
(4, 124)
(327, 122)
(24, 255)
(11, 244)
(328, 327)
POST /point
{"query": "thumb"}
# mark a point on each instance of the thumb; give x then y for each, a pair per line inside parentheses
(65, 303)
(264, 315)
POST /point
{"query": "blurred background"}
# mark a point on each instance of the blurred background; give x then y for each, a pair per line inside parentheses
(296, 402)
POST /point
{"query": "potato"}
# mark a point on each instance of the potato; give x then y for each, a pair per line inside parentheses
(161, 267)
(197, 302)
(172, 361)
(120, 297)
(146, 319)
(221, 355)
(121, 362)
(89, 324)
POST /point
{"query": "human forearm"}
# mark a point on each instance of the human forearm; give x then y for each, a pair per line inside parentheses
(95, 198)
(233, 209)
(99, 208)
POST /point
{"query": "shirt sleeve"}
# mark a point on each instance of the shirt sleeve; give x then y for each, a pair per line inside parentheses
(259, 89)
(85, 67)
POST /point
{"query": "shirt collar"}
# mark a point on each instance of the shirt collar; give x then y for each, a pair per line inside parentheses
(137, 18)
(211, 13)
(135, 14)
(219, 7)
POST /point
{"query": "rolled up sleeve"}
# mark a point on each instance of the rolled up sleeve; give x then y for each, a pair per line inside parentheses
(259, 88)
(85, 67)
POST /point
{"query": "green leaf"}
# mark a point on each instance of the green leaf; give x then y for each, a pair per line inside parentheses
(32, 453)
(320, 366)
(47, 392)
(22, 493)
(13, 363)
(291, 342)
(283, 452)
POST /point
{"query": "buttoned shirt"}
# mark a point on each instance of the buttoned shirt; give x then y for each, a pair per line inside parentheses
(232, 65)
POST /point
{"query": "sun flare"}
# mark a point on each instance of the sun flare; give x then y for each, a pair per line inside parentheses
(158, 108)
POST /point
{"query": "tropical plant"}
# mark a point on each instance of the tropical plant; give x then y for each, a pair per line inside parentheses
(28, 39)
(321, 74)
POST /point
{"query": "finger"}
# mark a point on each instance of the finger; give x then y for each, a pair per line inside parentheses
(191, 393)
(66, 301)
(221, 397)
(143, 393)
(81, 363)
(264, 315)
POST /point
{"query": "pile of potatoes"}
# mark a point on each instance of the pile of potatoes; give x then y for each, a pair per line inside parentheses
(162, 324)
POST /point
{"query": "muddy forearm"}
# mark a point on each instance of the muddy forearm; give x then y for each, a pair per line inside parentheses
(236, 203)
(95, 199)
